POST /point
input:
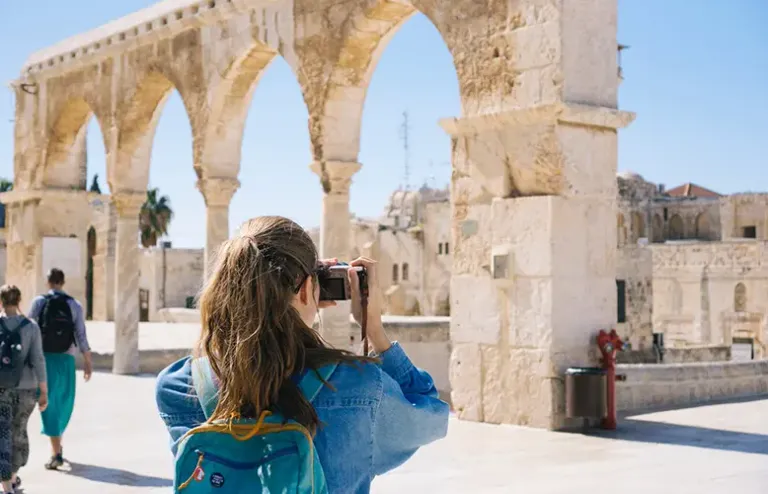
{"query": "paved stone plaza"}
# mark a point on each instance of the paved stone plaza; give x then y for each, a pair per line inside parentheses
(118, 445)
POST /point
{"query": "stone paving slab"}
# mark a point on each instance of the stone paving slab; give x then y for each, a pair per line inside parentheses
(118, 445)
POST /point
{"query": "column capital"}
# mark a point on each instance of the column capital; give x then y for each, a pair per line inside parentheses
(335, 176)
(218, 191)
(129, 202)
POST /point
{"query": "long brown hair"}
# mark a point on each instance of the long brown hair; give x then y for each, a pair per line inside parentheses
(251, 333)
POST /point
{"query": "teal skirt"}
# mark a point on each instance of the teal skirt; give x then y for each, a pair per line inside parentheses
(60, 368)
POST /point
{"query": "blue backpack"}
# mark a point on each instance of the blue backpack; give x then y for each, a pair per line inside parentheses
(242, 456)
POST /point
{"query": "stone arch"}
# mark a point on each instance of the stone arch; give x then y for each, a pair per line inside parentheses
(702, 226)
(638, 226)
(676, 227)
(222, 144)
(336, 125)
(740, 298)
(621, 230)
(657, 228)
(65, 162)
(129, 170)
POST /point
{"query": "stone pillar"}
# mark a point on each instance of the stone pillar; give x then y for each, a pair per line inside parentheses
(127, 271)
(534, 262)
(217, 193)
(336, 178)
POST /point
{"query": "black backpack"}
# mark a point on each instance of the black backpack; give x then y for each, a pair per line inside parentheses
(11, 363)
(56, 324)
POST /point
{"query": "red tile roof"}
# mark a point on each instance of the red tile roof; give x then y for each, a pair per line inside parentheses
(692, 190)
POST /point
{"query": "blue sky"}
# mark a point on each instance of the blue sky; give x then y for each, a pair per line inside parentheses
(696, 76)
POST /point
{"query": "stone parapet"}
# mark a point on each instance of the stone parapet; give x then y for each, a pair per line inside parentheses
(677, 385)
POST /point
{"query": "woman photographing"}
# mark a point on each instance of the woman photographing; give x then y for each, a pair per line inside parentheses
(370, 414)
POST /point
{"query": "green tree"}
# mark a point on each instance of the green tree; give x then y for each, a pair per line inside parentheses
(95, 184)
(155, 218)
(6, 185)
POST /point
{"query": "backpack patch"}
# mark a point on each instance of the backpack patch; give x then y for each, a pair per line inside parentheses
(56, 324)
(11, 355)
(270, 454)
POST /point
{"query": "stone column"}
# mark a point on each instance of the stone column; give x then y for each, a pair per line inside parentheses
(217, 193)
(534, 258)
(336, 178)
(127, 270)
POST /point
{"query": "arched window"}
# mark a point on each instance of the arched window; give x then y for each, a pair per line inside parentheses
(676, 229)
(638, 226)
(657, 228)
(702, 226)
(395, 272)
(740, 298)
(621, 230)
(405, 271)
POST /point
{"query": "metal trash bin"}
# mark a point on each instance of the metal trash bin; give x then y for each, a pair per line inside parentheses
(586, 392)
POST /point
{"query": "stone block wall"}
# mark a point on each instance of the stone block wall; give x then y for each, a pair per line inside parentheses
(675, 385)
(712, 353)
(634, 265)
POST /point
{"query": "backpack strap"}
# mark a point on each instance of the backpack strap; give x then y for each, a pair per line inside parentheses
(208, 394)
(311, 384)
(3, 325)
(205, 386)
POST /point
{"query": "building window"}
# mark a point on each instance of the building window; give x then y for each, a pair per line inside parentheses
(446, 249)
(621, 300)
(440, 249)
(749, 232)
(394, 273)
(405, 271)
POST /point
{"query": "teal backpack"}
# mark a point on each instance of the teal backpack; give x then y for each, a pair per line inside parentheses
(243, 456)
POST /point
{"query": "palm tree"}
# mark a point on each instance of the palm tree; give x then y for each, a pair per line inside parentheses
(95, 184)
(155, 218)
(5, 185)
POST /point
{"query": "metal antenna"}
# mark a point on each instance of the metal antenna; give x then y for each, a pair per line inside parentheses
(404, 134)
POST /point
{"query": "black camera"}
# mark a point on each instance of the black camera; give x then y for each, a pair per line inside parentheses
(334, 281)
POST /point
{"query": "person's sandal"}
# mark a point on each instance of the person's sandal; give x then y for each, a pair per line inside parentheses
(16, 484)
(55, 462)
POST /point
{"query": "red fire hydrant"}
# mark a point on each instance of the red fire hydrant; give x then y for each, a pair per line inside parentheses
(610, 343)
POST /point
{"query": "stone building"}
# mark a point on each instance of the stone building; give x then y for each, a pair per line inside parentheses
(411, 242)
(168, 277)
(691, 266)
(699, 252)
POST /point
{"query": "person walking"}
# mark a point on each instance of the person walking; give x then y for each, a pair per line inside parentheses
(22, 385)
(62, 325)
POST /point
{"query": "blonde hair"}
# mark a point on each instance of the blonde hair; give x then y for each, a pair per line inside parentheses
(251, 333)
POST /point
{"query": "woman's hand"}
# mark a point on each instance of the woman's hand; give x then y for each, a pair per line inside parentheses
(42, 399)
(375, 329)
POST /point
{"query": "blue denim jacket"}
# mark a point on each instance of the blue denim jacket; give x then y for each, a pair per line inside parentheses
(377, 417)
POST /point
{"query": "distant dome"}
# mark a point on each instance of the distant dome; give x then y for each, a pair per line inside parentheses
(629, 175)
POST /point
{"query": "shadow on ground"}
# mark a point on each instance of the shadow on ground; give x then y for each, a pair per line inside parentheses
(632, 427)
(116, 476)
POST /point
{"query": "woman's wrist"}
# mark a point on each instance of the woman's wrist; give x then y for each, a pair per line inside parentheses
(379, 340)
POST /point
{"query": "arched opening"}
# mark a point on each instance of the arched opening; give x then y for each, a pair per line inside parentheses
(638, 226)
(657, 228)
(274, 173)
(740, 298)
(676, 227)
(702, 226)
(403, 148)
(76, 148)
(621, 230)
(91, 252)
